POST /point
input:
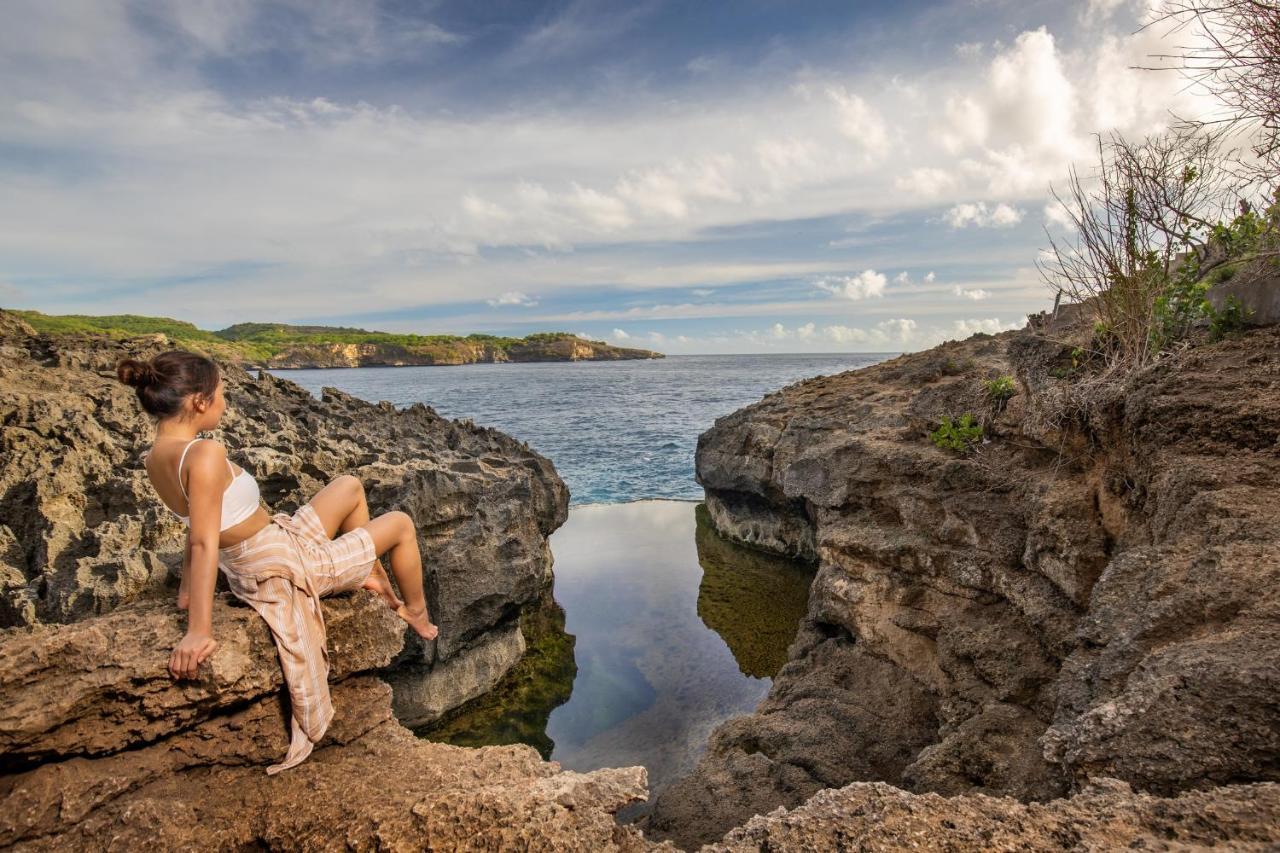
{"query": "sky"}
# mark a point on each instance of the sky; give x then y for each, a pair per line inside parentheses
(710, 177)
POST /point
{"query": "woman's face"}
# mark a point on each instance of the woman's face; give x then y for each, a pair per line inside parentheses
(213, 412)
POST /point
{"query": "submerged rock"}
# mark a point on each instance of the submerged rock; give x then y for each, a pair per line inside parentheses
(1092, 591)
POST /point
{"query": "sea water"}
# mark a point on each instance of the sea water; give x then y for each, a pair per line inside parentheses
(616, 430)
(659, 630)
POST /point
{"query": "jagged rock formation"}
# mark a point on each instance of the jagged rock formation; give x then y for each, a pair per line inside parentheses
(1092, 592)
(100, 686)
(1107, 816)
(102, 748)
(82, 532)
(373, 786)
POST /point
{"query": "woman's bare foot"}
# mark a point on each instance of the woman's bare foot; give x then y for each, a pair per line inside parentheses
(381, 584)
(418, 621)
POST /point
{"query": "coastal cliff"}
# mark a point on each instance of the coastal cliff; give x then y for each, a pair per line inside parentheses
(100, 746)
(285, 346)
(1089, 593)
(462, 351)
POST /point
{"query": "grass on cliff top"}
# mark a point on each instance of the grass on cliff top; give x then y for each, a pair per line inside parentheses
(258, 341)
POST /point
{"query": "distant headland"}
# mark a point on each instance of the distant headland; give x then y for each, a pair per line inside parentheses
(282, 346)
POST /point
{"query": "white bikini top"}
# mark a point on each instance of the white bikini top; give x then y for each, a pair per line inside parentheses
(239, 501)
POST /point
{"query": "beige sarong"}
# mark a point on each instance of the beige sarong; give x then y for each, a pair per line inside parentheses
(282, 571)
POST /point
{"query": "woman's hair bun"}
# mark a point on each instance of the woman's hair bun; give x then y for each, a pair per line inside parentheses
(130, 371)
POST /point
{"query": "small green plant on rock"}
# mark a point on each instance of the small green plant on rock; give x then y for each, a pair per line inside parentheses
(999, 390)
(958, 435)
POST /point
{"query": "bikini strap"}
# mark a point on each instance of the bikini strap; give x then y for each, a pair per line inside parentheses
(182, 459)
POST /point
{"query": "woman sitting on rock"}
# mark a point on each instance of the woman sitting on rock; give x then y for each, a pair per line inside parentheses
(280, 565)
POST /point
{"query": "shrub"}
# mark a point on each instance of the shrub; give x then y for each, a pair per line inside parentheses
(1230, 319)
(1000, 389)
(958, 435)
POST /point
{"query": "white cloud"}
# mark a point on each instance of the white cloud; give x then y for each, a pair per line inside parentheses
(513, 297)
(895, 331)
(902, 278)
(703, 291)
(1055, 213)
(977, 294)
(162, 175)
(864, 285)
(620, 335)
(860, 122)
(991, 325)
(980, 216)
(925, 182)
(930, 277)
(1096, 11)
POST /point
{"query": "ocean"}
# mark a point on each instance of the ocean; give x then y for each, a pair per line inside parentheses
(617, 431)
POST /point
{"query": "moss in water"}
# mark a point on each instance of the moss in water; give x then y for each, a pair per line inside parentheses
(517, 708)
(753, 600)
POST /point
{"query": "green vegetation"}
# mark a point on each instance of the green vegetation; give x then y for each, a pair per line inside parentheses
(259, 342)
(999, 390)
(1230, 319)
(959, 435)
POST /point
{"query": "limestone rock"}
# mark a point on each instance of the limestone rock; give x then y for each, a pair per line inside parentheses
(424, 694)
(102, 685)
(879, 817)
(1090, 592)
(370, 785)
(82, 532)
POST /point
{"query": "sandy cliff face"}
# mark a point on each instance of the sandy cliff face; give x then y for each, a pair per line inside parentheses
(1072, 600)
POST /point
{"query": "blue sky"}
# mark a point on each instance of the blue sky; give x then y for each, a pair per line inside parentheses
(692, 177)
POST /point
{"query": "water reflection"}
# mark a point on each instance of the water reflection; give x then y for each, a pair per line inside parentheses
(751, 599)
(676, 630)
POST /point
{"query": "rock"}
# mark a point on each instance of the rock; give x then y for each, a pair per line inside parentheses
(102, 685)
(424, 694)
(1256, 289)
(450, 352)
(84, 533)
(1091, 592)
(879, 817)
(370, 785)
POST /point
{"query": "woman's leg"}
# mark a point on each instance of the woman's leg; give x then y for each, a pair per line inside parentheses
(395, 532)
(342, 507)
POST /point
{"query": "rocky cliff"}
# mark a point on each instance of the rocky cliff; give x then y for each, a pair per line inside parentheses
(101, 748)
(461, 351)
(1090, 592)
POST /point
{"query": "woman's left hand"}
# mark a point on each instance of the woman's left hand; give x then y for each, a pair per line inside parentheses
(187, 656)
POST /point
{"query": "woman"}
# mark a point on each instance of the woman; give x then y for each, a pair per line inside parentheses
(280, 565)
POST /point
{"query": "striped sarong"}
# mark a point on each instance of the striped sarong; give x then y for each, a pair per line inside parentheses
(281, 572)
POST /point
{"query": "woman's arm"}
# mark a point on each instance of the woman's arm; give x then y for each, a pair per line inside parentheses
(184, 591)
(206, 476)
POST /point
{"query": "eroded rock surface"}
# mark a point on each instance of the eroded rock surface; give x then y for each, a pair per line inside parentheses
(81, 530)
(1107, 816)
(1083, 595)
(372, 786)
(103, 750)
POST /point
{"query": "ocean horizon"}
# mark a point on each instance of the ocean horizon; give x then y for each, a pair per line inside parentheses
(617, 431)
